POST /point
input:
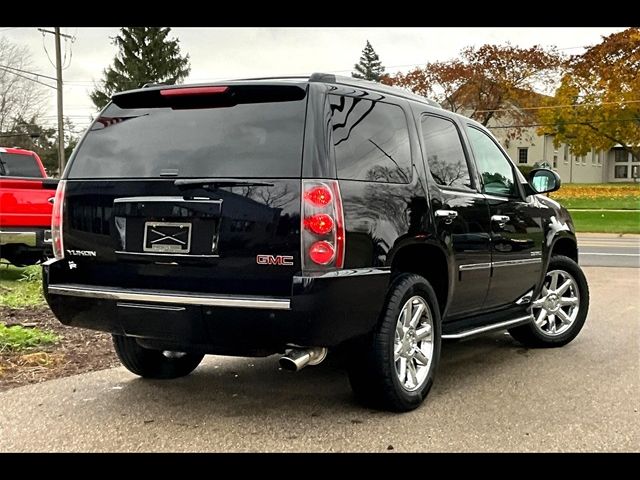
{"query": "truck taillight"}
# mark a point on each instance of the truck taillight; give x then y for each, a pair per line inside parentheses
(56, 221)
(322, 229)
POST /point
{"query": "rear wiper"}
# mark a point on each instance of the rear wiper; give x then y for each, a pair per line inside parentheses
(211, 183)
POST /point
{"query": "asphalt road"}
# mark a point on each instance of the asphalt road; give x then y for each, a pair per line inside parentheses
(609, 250)
(491, 394)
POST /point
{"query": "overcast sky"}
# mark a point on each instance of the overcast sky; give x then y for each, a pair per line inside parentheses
(218, 53)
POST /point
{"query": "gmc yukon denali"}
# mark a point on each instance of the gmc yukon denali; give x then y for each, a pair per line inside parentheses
(297, 215)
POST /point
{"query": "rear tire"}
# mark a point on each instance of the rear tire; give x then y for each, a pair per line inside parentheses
(565, 312)
(149, 363)
(394, 368)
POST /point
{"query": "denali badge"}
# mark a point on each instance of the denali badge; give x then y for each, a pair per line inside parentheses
(82, 253)
(274, 259)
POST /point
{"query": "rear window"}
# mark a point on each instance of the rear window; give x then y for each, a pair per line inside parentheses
(244, 140)
(17, 165)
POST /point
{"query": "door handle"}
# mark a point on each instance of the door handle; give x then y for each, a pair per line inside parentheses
(501, 219)
(447, 215)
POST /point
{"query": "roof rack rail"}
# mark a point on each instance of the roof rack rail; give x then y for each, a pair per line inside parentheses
(152, 84)
(285, 77)
(357, 82)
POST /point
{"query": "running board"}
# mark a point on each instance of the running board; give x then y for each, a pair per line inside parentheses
(487, 328)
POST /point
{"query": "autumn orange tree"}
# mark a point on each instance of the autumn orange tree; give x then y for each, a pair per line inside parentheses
(597, 104)
(497, 82)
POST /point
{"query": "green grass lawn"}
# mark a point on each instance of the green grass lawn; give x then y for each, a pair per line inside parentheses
(599, 195)
(607, 222)
(624, 203)
(20, 287)
(16, 338)
(602, 196)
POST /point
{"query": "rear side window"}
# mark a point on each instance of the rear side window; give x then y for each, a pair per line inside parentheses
(444, 152)
(371, 140)
(16, 165)
(259, 139)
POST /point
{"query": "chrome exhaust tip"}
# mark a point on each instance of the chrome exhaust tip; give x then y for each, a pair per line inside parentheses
(298, 358)
(172, 354)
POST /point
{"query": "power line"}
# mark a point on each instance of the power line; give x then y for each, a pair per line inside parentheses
(558, 106)
(563, 123)
(28, 72)
(27, 78)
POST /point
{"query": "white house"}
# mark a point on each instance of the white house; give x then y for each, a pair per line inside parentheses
(598, 166)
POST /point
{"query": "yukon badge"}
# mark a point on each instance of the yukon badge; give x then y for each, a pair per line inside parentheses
(274, 259)
(82, 253)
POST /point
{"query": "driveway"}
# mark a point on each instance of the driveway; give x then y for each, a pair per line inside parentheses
(491, 394)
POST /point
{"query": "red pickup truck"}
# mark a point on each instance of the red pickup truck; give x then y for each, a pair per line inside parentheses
(25, 207)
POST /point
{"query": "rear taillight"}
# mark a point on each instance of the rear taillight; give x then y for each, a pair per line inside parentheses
(322, 228)
(320, 223)
(56, 221)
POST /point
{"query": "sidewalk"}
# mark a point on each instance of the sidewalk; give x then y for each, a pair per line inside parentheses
(634, 236)
(632, 210)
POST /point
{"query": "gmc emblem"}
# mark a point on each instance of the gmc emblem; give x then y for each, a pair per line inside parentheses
(274, 259)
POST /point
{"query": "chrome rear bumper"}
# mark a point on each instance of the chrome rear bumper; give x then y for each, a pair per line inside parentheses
(27, 238)
(179, 298)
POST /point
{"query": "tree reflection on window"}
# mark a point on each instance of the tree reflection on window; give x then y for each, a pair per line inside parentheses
(494, 168)
(371, 140)
(444, 152)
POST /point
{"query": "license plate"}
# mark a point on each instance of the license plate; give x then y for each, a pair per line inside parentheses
(167, 237)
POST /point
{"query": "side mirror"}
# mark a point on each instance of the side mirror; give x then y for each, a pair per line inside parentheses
(543, 180)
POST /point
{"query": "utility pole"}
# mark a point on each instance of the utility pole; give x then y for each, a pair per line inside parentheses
(57, 34)
(59, 85)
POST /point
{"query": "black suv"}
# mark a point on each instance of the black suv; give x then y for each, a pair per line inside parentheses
(297, 215)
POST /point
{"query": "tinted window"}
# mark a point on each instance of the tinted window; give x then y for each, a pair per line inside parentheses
(493, 166)
(444, 153)
(16, 165)
(245, 140)
(371, 140)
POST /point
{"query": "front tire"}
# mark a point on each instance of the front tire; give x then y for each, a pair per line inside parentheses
(394, 368)
(561, 309)
(149, 363)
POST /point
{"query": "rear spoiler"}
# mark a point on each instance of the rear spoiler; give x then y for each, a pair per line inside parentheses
(214, 96)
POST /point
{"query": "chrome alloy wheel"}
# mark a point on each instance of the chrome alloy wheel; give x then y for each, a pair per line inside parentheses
(413, 343)
(557, 307)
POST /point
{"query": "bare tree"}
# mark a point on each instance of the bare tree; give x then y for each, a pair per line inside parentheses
(19, 97)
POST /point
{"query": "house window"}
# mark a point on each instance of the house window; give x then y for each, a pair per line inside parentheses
(584, 159)
(555, 161)
(523, 155)
(566, 154)
(577, 159)
(594, 158)
(634, 171)
(620, 155)
(621, 171)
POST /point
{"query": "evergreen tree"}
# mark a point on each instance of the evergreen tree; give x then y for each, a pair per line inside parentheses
(145, 55)
(370, 67)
